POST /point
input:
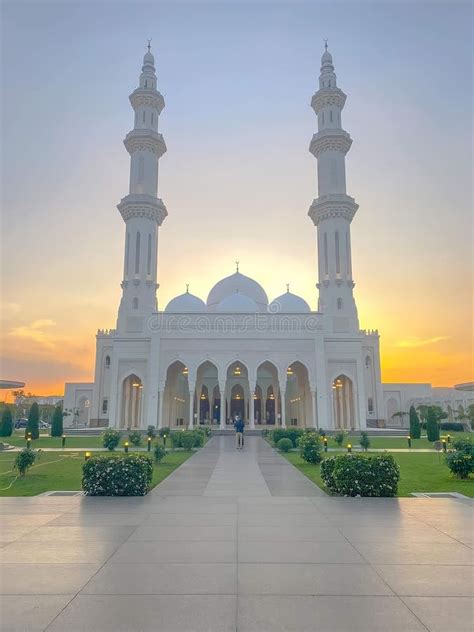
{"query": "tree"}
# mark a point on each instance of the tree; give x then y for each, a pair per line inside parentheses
(57, 422)
(33, 421)
(432, 427)
(415, 427)
(401, 414)
(6, 424)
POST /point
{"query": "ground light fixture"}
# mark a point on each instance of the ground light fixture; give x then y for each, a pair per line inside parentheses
(63, 440)
(149, 444)
(87, 456)
(445, 447)
(449, 438)
(125, 446)
(164, 441)
(409, 441)
(28, 439)
(349, 448)
(325, 441)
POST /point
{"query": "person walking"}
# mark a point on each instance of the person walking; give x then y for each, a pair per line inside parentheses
(239, 433)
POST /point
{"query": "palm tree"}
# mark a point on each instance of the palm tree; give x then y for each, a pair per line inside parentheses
(401, 414)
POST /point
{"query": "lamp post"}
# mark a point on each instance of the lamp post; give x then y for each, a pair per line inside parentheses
(409, 441)
(325, 441)
(87, 456)
(125, 446)
(28, 439)
(63, 441)
(149, 444)
(349, 448)
(445, 447)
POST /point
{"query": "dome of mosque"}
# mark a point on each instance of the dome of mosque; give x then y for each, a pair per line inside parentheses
(186, 303)
(238, 283)
(289, 303)
(237, 303)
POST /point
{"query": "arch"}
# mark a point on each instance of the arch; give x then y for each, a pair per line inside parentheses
(107, 361)
(392, 407)
(132, 401)
(343, 403)
(176, 396)
(299, 404)
(83, 409)
(236, 361)
(368, 362)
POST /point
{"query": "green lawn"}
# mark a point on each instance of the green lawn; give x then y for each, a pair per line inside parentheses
(45, 441)
(420, 472)
(63, 471)
(395, 442)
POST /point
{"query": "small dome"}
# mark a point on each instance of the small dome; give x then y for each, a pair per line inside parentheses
(186, 303)
(289, 303)
(238, 282)
(237, 303)
(327, 57)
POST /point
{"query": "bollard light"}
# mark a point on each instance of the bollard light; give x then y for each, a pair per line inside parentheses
(149, 444)
(28, 439)
(63, 440)
(445, 447)
(125, 446)
(164, 441)
(409, 441)
(87, 456)
(349, 448)
(325, 444)
(449, 438)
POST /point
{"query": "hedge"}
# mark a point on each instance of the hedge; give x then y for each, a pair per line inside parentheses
(310, 447)
(357, 475)
(460, 460)
(451, 425)
(293, 434)
(128, 475)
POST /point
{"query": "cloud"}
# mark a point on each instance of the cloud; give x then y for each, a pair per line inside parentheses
(35, 331)
(410, 343)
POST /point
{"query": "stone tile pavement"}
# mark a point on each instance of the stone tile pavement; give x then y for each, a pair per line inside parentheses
(236, 541)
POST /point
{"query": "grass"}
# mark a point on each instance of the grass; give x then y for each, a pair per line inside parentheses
(63, 471)
(395, 442)
(73, 441)
(419, 472)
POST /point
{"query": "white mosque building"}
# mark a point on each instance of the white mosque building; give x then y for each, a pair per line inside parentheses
(272, 362)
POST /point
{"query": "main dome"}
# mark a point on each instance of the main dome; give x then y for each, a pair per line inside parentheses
(289, 303)
(242, 284)
(237, 303)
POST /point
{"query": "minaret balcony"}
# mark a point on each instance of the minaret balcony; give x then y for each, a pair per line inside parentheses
(330, 140)
(145, 140)
(142, 205)
(143, 97)
(333, 206)
(327, 97)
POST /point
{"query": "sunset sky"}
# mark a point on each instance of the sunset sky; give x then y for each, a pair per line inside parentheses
(238, 178)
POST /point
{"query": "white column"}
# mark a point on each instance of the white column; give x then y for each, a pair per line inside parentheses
(191, 405)
(223, 402)
(361, 396)
(314, 404)
(130, 419)
(252, 389)
(150, 404)
(324, 419)
(161, 394)
(283, 408)
(276, 393)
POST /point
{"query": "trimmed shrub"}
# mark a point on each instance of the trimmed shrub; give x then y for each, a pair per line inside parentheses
(293, 434)
(279, 433)
(451, 425)
(6, 424)
(151, 432)
(135, 437)
(188, 440)
(327, 472)
(460, 460)
(57, 422)
(164, 431)
(339, 437)
(432, 428)
(24, 460)
(357, 475)
(310, 447)
(199, 437)
(364, 441)
(111, 439)
(415, 427)
(33, 421)
(285, 445)
(159, 452)
(207, 431)
(128, 475)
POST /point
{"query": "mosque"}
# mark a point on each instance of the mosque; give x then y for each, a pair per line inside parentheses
(272, 362)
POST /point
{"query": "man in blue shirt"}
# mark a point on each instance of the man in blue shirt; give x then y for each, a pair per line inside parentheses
(239, 433)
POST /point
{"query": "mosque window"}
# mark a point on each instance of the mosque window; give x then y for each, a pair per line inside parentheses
(127, 249)
(148, 262)
(339, 303)
(137, 254)
(141, 169)
(322, 118)
(152, 118)
(338, 255)
(105, 405)
(146, 83)
(330, 115)
(107, 362)
(370, 405)
(143, 115)
(367, 362)
(135, 303)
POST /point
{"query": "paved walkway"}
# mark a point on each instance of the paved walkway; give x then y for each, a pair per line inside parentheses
(236, 541)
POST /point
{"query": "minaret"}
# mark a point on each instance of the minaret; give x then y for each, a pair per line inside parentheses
(142, 211)
(332, 211)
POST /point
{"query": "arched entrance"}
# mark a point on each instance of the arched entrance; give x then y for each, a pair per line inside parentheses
(299, 404)
(176, 396)
(132, 398)
(268, 390)
(343, 403)
(237, 402)
(207, 393)
(237, 392)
